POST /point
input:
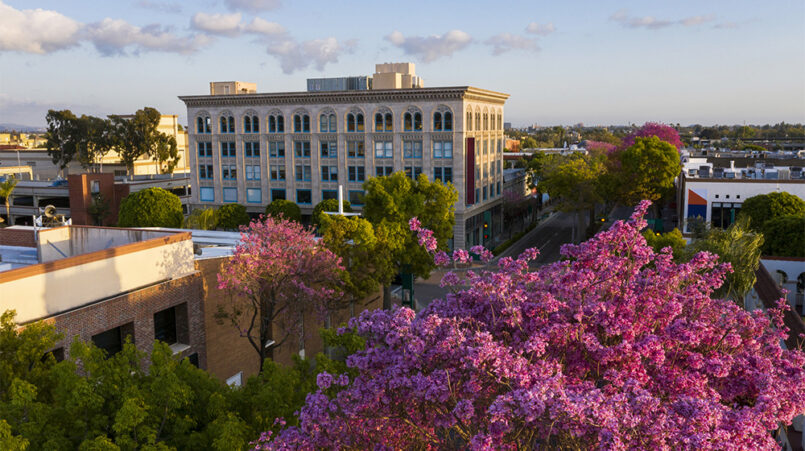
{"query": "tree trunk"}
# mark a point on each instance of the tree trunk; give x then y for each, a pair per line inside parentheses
(386, 297)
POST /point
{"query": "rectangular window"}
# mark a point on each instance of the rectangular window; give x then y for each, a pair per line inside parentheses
(329, 173)
(229, 172)
(303, 196)
(251, 148)
(276, 149)
(227, 149)
(303, 172)
(206, 194)
(165, 326)
(383, 149)
(277, 172)
(498, 190)
(355, 149)
(277, 194)
(413, 171)
(356, 197)
(442, 149)
(205, 171)
(230, 194)
(254, 195)
(357, 173)
(252, 172)
(412, 149)
(205, 149)
(444, 174)
(383, 171)
(329, 149)
(329, 194)
(485, 193)
(477, 194)
(301, 148)
(112, 340)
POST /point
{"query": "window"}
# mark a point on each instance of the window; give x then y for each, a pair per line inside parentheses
(384, 122)
(251, 124)
(724, 214)
(486, 121)
(203, 124)
(445, 174)
(413, 171)
(276, 149)
(236, 380)
(498, 189)
(383, 149)
(329, 149)
(500, 122)
(205, 149)
(327, 123)
(227, 124)
(228, 149)
(303, 196)
(251, 148)
(355, 149)
(252, 172)
(356, 173)
(276, 123)
(165, 326)
(469, 121)
(356, 197)
(412, 149)
(303, 172)
(383, 171)
(205, 171)
(301, 148)
(477, 120)
(329, 194)
(442, 121)
(277, 171)
(477, 194)
(485, 193)
(442, 149)
(230, 194)
(207, 194)
(412, 122)
(329, 173)
(229, 172)
(301, 123)
(437, 121)
(254, 195)
(355, 122)
(277, 194)
(112, 340)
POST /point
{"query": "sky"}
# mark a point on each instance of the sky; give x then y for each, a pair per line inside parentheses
(592, 62)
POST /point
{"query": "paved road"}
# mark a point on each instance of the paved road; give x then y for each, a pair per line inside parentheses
(547, 236)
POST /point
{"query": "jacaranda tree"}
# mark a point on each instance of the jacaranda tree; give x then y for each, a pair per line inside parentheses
(614, 347)
(663, 132)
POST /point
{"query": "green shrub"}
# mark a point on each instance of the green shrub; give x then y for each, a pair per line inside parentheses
(152, 207)
(232, 216)
(286, 208)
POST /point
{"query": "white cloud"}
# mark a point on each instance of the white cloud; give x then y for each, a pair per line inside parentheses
(253, 5)
(503, 42)
(222, 24)
(652, 23)
(295, 55)
(697, 20)
(262, 26)
(36, 30)
(115, 36)
(540, 29)
(430, 48)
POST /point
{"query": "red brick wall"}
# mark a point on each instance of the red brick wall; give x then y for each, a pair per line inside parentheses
(138, 307)
(17, 237)
(81, 197)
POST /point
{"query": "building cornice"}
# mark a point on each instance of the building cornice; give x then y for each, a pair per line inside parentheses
(348, 97)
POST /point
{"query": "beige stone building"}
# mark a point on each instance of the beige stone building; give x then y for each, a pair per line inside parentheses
(252, 148)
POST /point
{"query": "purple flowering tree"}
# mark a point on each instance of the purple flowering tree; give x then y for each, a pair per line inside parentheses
(664, 132)
(615, 347)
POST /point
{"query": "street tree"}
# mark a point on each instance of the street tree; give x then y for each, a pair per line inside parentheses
(151, 207)
(574, 184)
(614, 347)
(63, 137)
(96, 139)
(330, 205)
(285, 209)
(138, 136)
(232, 216)
(6, 193)
(644, 170)
(391, 202)
(663, 132)
(765, 207)
(278, 273)
(784, 236)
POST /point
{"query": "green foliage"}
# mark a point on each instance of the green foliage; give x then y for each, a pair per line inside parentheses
(573, 182)
(10, 442)
(672, 239)
(202, 219)
(645, 170)
(528, 143)
(62, 137)
(99, 208)
(232, 216)
(138, 136)
(286, 208)
(6, 192)
(152, 207)
(764, 207)
(327, 205)
(738, 246)
(785, 236)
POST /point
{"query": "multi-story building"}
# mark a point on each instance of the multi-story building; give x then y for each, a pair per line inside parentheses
(253, 148)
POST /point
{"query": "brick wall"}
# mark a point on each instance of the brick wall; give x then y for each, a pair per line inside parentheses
(138, 307)
(17, 237)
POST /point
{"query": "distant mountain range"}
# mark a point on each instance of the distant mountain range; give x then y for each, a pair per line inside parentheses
(20, 128)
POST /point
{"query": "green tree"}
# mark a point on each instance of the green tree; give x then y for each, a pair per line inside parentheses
(528, 142)
(138, 136)
(330, 205)
(645, 170)
(95, 141)
(232, 216)
(672, 239)
(574, 183)
(63, 137)
(391, 202)
(784, 236)
(738, 246)
(6, 192)
(99, 208)
(202, 219)
(764, 207)
(152, 207)
(286, 208)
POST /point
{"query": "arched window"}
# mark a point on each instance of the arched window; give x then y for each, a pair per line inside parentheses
(323, 125)
(389, 119)
(222, 124)
(486, 121)
(448, 121)
(469, 121)
(500, 122)
(280, 124)
(418, 121)
(297, 123)
(355, 122)
(306, 123)
(203, 124)
(272, 124)
(359, 122)
(443, 120)
(350, 122)
(255, 124)
(408, 122)
(378, 122)
(437, 121)
(477, 120)
(247, 124)
(231, 121)
(301, 123)
(327, 122)
(227, 124)
(333, 123)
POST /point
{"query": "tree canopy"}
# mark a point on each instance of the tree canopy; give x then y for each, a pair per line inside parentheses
(151, 207)
(662, 132)
(202, 219)
(644, 170)
(764, 207)
(327, 205)
(784, 236)
(232, 216)
(284, 208)
(138, 136)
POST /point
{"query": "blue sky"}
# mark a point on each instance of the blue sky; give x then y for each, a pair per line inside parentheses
(596, 62)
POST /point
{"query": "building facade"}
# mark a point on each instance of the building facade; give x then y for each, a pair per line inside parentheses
(255, 148)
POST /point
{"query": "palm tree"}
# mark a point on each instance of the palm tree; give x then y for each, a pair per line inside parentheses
(6, 188)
